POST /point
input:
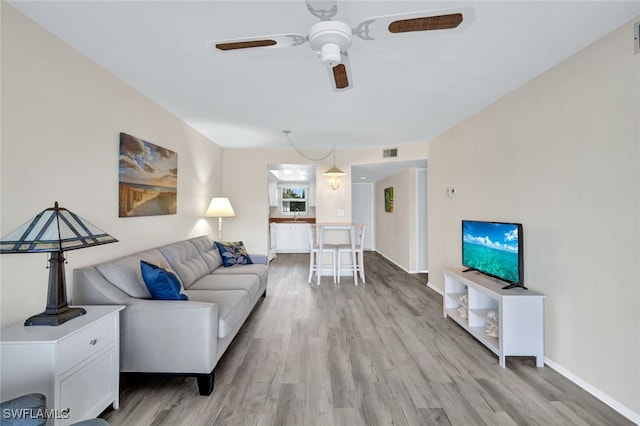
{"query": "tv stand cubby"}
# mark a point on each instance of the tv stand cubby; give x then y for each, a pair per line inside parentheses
(508, 322)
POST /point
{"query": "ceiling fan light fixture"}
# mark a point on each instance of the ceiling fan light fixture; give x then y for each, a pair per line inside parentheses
(330, 54)
(329, 39)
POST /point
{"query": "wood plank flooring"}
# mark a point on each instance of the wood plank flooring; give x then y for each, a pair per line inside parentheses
(377, 354)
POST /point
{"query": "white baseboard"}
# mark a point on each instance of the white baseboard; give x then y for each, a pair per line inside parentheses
(620, 408)
(436, 289)
(394, 262)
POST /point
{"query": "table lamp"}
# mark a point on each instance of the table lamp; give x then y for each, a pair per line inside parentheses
(220, 207)
(54, 230)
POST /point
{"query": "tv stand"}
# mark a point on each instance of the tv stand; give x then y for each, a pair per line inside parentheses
(510, 286)
(508, 322)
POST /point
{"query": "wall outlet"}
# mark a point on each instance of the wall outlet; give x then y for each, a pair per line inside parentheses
(340, 212)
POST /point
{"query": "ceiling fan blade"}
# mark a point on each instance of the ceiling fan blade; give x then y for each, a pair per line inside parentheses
(457, 19)
(426, 23)
(270, 41)
(340, 75)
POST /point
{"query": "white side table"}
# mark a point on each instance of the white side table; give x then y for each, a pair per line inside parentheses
(75, 365)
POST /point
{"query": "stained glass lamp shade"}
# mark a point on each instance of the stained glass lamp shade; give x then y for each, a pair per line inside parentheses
(54, 230)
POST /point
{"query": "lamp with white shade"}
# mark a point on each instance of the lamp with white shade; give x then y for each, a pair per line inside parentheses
(220, 207)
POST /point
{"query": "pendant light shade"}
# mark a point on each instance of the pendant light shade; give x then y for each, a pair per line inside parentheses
(334, 174)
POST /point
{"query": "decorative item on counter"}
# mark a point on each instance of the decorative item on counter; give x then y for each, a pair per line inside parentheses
(491, 330)
(462, 311)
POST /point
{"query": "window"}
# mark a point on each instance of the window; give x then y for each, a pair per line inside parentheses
(293, 199)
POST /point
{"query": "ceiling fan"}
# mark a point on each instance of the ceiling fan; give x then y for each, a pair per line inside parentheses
(331, 39)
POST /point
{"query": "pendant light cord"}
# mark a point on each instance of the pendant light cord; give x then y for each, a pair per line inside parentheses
(286, 133)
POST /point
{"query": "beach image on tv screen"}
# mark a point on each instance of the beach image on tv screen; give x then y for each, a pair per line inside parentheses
(491, 248)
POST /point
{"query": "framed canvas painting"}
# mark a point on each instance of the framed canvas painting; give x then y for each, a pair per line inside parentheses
(388, 199)
(148, 178)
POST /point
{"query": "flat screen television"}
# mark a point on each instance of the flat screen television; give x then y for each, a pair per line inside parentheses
(494, 249)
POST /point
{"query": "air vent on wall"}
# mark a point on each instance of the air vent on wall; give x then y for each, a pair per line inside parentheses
(392, 152)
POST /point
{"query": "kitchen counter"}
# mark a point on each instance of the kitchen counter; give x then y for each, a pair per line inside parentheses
(311, 220)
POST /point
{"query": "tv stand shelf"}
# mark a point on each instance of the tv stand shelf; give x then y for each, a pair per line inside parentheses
(508, 322)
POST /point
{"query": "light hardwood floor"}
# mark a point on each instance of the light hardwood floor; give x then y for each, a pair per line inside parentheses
(377, 354)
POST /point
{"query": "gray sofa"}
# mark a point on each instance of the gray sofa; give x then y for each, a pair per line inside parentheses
(183, 337)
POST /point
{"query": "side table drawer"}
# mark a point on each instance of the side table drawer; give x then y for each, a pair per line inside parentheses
(87, 391)
(85, 343)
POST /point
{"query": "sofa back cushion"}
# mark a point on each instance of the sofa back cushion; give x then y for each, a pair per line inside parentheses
(185, 261)
(125, 272)
(207, 248)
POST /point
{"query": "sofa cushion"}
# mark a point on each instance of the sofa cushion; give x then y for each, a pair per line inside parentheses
(233, 307)
(163, 284)
(186, 261)
(208, 249)
(233, 253)
(258, 269)
(249, 283)
(125, 272)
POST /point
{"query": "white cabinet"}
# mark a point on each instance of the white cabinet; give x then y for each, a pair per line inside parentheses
(312, 194)
(75, 365)
(292, 237)
(273, 241)
(273, 194)
(508, 322)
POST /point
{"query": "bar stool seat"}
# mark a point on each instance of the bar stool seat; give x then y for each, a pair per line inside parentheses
(316, 258)
(359, 249)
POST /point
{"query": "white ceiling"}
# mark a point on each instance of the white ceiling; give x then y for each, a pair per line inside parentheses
(407, 88)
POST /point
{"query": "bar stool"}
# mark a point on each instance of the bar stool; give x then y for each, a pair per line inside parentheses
(359, 248)
(315, 258)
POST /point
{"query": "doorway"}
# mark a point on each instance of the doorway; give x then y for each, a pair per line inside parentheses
(362, 210)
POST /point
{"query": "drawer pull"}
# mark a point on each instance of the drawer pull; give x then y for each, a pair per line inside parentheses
(93, 342)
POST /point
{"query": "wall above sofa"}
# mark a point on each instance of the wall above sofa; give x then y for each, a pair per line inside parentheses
(62, 113)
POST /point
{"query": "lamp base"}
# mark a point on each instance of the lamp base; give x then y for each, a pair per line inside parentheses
(55, 319)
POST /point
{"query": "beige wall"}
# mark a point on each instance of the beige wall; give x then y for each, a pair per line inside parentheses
(396, 231)
(560, 155)
(61, 119)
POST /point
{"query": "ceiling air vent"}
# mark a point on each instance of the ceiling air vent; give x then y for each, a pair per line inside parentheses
(392, 152)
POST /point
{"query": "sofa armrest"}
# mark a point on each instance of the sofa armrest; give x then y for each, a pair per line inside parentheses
(91, 288)
(169, 336)
(259, 258)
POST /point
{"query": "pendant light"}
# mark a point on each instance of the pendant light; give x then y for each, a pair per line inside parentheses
(334, 173)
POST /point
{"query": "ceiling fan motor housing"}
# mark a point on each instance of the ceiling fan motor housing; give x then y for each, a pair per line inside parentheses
(330, 38)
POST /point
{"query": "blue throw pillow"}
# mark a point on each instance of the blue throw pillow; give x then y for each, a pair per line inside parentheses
(162, 284)
(233, 253)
